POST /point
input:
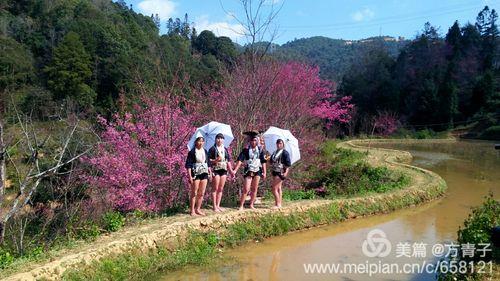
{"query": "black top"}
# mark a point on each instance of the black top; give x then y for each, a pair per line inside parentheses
(213, 153)
(284, 159)
(245, 155)
(191, 158)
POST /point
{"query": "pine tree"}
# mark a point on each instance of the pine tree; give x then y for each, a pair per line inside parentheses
(156, 19)
(453, 37)
(430, 32)
(482, 20)
(471, 38)
(70, 70)
(488, 29)
(206, 42)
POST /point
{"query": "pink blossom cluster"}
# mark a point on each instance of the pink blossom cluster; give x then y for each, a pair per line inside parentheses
(385, 123)
(140, 161)
(287, 95)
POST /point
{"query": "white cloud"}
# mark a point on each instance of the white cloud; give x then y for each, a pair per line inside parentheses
(222, 28)
(364, 14)
(164, 8)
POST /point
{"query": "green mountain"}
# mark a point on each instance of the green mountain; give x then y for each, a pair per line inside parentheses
(335, 56)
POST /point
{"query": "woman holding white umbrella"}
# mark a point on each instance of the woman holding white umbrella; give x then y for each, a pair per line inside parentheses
(198, 171)
(220, 161)
(285, 151)
(254, 159)
(216, 136)
(280, 166)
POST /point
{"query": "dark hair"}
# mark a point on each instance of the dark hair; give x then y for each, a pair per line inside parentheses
(199, 138)
(280, 140)
(219, 136)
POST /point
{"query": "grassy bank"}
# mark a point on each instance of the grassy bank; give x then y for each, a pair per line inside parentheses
(202, 247)
(346, 173)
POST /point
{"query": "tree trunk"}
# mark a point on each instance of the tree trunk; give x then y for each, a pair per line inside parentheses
(2, 232)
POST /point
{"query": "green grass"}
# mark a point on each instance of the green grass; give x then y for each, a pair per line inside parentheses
(403, 133)
(198, 249)
(77, 233)
(298, 194)
(201, 247)
(346, 173)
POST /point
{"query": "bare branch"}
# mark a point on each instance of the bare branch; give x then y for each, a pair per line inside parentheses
(30, 181)
(68, 139)
(256, 22)
(55, 168)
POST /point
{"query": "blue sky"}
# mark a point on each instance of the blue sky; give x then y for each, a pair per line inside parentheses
(342, 19)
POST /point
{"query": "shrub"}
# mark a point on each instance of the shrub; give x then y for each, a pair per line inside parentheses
(491, 133)
(385, 123)
(113, 221)
(422, 134)
(298, 194)
(477, 230)
(6, 258)
(88, 231)
(478, 226)
(346, 173)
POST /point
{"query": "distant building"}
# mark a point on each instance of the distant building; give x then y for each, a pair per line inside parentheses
(371, 39)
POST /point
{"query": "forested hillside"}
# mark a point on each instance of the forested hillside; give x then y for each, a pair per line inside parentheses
(86, 53)
(335, 56)
(436, 82)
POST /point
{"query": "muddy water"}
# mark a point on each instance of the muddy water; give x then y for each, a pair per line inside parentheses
(471, 171)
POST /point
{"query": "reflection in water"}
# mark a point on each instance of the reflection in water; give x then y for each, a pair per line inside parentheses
(470, 170)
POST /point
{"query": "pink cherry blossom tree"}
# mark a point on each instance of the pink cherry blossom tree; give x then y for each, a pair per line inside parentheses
(140, 161)
(385, 123)
(288, 95)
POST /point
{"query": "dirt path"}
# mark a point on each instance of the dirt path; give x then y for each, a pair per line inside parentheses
(163, 230)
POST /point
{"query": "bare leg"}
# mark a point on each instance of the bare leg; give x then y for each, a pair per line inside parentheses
(192, 196)
(220, 188)
(246, 188)
(199, 196)
(215, 184)
(255, 186)
(280, 192)
(275, 184)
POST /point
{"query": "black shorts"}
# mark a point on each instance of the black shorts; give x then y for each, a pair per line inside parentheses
(252, 174)
(203, 176)
(220, 172)
(276, 174)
